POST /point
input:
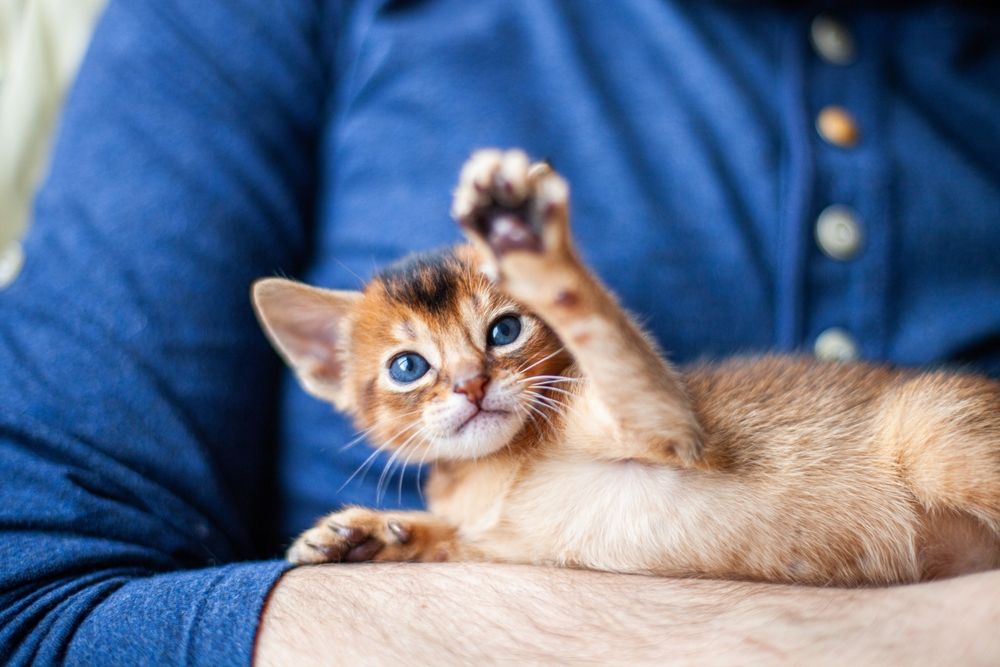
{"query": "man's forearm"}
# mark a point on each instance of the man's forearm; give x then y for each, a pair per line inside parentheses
(451, 613)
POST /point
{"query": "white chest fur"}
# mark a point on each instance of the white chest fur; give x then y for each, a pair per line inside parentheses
(636, 518)
(616, 516)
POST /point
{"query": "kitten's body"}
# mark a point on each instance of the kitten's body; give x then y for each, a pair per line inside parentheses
(818, 498)
(604, 456)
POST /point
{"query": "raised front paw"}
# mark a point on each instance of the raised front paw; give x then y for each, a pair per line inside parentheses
(353, 535)
(505, 203)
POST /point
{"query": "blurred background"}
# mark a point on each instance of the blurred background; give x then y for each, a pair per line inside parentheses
(41, 44)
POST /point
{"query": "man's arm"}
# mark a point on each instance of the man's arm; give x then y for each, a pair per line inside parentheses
(476, 613)
(137, 396)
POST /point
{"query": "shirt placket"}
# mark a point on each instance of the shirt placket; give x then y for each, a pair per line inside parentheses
(845, 230)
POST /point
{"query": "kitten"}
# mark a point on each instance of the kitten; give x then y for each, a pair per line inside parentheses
(559, 434)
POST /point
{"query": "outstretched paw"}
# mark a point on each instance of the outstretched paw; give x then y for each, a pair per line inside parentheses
(353, 535)
(505, 203)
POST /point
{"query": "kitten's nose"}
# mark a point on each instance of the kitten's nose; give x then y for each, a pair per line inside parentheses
(473, 386)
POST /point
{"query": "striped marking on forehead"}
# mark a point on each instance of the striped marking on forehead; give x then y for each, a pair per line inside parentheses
(426, 281)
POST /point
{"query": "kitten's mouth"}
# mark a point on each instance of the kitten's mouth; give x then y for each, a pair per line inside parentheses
(477, 414)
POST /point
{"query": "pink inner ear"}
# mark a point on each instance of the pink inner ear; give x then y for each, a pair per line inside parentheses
(307, 329)
(305, 323)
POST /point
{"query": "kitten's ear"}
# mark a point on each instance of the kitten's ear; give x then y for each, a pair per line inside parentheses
(308, 326)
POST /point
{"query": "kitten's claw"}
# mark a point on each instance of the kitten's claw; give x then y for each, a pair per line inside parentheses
(508, 204)
(350, 536)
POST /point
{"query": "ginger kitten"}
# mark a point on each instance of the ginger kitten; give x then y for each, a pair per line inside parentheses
(559, 434)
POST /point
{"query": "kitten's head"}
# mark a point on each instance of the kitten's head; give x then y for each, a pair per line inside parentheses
(430, 356)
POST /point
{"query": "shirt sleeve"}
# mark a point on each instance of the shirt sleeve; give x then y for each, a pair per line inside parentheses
(137, 395)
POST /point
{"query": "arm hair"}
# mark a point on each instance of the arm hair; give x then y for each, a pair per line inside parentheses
(473, 613)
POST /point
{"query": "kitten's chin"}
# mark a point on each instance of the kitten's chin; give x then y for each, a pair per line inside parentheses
(486, 432)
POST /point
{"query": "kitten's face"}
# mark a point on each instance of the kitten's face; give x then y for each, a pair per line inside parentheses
(430, 357)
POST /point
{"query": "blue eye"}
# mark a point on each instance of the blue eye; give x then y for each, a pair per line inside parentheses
(504, 331)
(407, 367)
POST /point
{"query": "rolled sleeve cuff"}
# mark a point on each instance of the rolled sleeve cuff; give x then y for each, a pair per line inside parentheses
(197, 617)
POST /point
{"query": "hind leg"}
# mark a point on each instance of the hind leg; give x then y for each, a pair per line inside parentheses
(944, 432)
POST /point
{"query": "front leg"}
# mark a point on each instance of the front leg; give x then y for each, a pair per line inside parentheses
(359, 534)
(517, 215)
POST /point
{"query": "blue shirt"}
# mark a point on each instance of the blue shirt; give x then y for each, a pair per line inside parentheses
(152, 450)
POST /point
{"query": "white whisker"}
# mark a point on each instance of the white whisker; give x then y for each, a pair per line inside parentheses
(402, 476)
(542, 360)
(420, 486)
(368, 460)
(402, 472)
(554, 405)
(392, 459)
(551, 408)
(385, 470)
(555, 389)
(550, 378)
(358, 438)
(545, 399)
(371, 457)
(361, 434)
(538, 411)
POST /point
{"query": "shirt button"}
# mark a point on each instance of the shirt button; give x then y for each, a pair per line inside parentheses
(832, 40)
(11, 260)
(838, 232)
(837, 126)
(835, 344)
